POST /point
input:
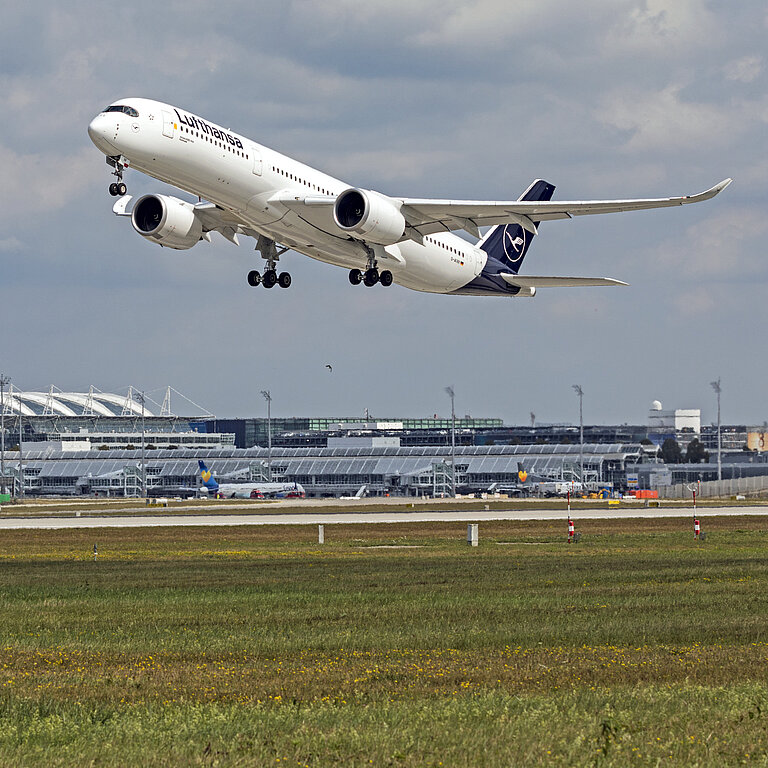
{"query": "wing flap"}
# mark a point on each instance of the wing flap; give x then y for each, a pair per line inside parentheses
(534, 281)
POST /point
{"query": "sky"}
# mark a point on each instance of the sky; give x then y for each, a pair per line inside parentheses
(468, 100)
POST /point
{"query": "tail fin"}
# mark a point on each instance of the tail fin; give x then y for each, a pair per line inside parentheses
(207, 477)
(508, 243)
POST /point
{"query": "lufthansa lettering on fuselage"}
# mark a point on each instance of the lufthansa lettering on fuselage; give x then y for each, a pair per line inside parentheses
(201, 125)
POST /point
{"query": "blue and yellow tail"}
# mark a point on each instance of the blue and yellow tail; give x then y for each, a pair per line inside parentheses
(508, 243)
(207, 478)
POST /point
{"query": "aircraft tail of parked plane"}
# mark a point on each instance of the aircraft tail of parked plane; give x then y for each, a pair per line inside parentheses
(206, 476)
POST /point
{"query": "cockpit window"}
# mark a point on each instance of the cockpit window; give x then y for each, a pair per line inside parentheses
(121, 108)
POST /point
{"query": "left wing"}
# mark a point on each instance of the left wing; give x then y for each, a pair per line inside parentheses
(429, 216)
(213, 219)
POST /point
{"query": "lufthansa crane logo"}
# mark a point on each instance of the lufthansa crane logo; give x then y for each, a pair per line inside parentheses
(514, 244)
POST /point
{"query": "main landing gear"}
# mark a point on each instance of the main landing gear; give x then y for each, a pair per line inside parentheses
(269, 279)
(119, 163)
(370, 277)
(271, 255)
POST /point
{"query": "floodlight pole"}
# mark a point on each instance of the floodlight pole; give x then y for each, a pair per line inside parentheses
(580, 392)
(718, 389)
(21, 465)
(268, 398)
(4, 381)
(140, 398)
(449, 391)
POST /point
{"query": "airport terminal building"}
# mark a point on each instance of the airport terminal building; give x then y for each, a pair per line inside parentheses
(91, 443)
(323, 472)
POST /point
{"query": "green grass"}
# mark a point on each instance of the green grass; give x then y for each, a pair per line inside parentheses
(241, 646)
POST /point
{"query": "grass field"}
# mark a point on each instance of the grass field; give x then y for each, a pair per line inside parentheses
(388, 645)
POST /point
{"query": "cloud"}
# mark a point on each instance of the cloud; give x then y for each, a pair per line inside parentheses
(695, 302)
(745, 70)
(36, 184)
(724, 246)
(663, 121)
(11, 244)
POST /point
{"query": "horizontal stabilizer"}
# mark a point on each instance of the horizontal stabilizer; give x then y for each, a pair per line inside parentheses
(532, 281)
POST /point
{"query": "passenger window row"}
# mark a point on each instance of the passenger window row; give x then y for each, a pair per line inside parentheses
(215, 142)
(443, 245)
(293, 177)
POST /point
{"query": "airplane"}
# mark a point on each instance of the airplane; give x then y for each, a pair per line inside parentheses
(248, 490)
(359, 495)
(245, 188)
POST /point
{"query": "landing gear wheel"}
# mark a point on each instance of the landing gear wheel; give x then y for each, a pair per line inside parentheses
(121, 188)
(284, 280)
(269, 279)
(113, 189)
(371, 277)
(385, 278)
(254, 278)
(355, 276)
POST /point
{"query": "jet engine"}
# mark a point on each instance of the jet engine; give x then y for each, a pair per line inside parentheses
(369, 216)
(167, 221)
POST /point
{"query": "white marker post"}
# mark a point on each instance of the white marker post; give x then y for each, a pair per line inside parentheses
(321, 534)
(472, 534)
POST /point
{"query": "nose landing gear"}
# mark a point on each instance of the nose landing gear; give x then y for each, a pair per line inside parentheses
(119, 163)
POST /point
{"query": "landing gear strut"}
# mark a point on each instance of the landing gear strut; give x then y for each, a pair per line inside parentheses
(371, 276)
(119, 163)
(271, 255)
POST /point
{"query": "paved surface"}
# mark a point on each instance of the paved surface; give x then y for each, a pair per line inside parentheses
(319, 518)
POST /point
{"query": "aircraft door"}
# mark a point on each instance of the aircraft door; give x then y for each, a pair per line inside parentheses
(167, 124)
(478, 262)
(256, 161)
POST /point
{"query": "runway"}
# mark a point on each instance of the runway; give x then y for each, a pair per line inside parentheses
(341, 518)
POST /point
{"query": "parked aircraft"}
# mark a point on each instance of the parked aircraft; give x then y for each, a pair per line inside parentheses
(359, 495)
(248, 189)
(248, 490)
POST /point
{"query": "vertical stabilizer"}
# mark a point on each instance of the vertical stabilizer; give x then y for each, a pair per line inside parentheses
(207, 478)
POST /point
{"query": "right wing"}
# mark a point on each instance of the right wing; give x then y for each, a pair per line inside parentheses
(430, 216)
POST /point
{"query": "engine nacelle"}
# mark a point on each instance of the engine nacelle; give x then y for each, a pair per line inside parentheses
(369, 216)
(167, 221)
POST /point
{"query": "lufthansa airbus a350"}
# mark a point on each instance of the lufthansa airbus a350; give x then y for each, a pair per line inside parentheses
(252, 190)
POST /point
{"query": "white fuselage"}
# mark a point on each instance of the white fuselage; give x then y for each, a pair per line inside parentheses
(243, 177)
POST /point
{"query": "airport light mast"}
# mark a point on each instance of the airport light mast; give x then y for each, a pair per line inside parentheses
(449, 391)
(21, 464)
(4, 381)
(268, 398)
(140, 398)
(580, 392)
(718, 389)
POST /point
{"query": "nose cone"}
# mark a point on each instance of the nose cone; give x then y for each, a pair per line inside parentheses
(101, 129)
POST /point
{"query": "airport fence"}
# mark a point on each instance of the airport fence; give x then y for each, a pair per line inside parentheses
(713, 489)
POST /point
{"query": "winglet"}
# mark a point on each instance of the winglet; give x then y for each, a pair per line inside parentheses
(708, 194)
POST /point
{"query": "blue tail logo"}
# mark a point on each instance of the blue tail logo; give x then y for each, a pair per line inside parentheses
(207, 477)
(508, 243)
